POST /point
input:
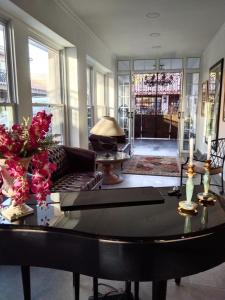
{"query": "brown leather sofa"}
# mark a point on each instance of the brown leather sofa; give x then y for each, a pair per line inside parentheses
(75, 169)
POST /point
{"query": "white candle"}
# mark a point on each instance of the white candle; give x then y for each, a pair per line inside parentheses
(209, 147)
(191, 147)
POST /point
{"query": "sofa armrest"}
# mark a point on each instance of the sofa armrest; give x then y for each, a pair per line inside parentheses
(80, 159)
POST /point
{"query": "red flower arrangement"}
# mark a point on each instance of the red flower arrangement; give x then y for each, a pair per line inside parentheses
(27, 143)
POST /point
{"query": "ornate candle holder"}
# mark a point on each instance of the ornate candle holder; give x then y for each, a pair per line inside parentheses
(204, 217)
(188, 206)
(206, 196)
(187, 221)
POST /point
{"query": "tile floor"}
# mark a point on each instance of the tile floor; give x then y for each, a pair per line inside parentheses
(57, 285)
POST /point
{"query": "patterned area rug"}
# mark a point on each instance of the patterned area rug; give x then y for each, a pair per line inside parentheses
(152, 165)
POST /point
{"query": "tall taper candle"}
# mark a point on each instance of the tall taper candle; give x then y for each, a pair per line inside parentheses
(191, 147)
(209, 147)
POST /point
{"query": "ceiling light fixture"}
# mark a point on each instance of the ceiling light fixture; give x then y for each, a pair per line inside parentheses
(152, 15)
(154, 34)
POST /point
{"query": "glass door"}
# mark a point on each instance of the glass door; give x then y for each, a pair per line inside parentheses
(126, 107)
(157, 97)
(189, 111)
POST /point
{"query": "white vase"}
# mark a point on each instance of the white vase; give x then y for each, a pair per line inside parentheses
(13, 211)
(8, 180)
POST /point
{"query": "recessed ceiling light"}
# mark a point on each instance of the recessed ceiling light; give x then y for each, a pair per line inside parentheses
(154, 34)
(156, 46)
(152, 15)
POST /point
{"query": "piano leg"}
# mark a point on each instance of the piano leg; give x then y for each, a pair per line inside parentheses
(76, 285)
(95, 288)
(136, 290)
(25, 271)
(159, 290)
(129, 295)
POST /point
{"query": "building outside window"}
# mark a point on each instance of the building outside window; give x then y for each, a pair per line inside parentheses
(46, 84)
(6, 101)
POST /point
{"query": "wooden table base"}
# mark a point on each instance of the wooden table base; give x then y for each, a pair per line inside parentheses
(109, 176)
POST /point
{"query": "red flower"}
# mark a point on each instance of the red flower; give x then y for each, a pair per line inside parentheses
(22, 141)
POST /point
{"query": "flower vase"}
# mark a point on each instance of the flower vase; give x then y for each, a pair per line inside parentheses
(13, 211)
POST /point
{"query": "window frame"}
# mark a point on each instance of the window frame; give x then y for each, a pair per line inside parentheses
(11, 69)
(91, 104)
(62, 79)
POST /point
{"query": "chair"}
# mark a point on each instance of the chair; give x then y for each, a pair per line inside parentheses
(103, 143)
(217, 157)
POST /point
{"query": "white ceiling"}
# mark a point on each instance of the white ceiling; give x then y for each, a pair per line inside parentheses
(185, 26)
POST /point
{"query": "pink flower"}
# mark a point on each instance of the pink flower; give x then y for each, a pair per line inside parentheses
(21, 141)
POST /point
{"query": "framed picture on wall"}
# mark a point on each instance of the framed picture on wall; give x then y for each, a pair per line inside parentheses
(214, 100)
(204, 97)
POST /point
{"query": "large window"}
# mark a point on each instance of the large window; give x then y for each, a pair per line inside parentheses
(100, 89)
(123, 101)
(46, 84)
(190, 107)
(6, 101)
(90, 107)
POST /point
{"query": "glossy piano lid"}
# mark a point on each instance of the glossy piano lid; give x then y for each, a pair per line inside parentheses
(154, 222)
(110, 198)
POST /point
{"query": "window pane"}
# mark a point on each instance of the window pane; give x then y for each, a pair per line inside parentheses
(89, 94)
(4, 93)
(170, 63)
(123, 65)
(190, 108)
(193, 63)
(141, 64)
(100, 95)
(123, 101)
(90, 108)
(6, 116)
(57, 125)
(44, 73)
(111, 97)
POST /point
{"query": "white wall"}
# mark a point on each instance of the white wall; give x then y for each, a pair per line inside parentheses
(213, 53)
(55, 15)
(55, 20)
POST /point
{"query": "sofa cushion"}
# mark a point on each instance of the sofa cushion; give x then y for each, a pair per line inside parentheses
(77, 181)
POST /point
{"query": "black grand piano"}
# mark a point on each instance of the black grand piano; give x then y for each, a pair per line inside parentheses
(129, 243)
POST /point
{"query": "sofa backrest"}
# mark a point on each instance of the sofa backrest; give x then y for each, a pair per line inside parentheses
(57, 155)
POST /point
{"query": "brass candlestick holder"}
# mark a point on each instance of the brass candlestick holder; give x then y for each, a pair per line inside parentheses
(204, 217)
(187, 221)
(206, 196)
(188, 206)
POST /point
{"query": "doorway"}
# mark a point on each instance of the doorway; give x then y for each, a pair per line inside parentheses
(156, 100)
